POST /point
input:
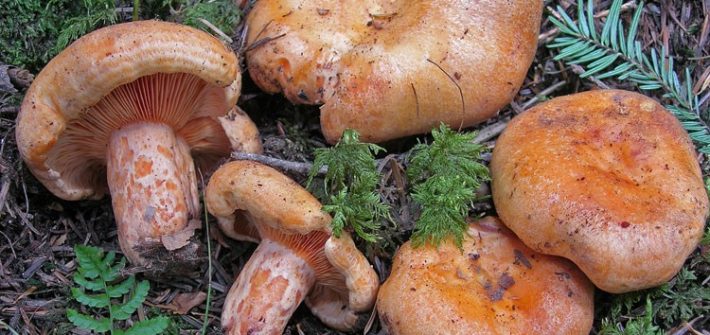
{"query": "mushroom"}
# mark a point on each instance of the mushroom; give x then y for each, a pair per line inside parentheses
(297, 257)
(124, 109)
(608, 179)
(389, 69)
(494, 284)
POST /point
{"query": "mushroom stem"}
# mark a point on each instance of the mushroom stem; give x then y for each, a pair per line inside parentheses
(153, 186)
(268, 290)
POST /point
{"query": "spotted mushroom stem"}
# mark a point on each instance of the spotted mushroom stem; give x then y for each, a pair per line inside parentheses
(153, 187)
(268, 290)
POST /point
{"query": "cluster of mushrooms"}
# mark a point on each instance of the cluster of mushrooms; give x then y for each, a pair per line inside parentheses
(594, 189)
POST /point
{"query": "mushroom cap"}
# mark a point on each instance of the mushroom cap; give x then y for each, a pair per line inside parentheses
(607, 179)
(92, 67)
(252, 201)
(393, 68)
(493, 285)
(264, 195)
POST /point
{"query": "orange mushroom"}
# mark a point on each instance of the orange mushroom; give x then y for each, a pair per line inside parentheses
(388, 68)
(494, 284)
(297, 259)
(125, 108)
(608, 179)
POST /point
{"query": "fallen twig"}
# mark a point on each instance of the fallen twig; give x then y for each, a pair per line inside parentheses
(297, 167)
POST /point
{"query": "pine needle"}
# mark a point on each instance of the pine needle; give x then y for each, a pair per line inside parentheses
(614, 52)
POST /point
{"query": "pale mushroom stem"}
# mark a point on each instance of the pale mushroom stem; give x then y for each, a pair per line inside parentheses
(268, 290)
(153, 187)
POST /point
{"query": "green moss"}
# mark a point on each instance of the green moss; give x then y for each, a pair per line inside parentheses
(34, 31)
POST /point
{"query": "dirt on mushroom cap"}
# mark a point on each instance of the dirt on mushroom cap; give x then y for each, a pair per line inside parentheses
(393, 68)
(484, 288)
(608, 179)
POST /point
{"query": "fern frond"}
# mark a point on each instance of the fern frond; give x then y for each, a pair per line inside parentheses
(87, 322)
(125, 310)
(97, 272)
(150, 326)
(90, 261)
(614, 52)
(91, 300)
(91, 285)
(119, 290)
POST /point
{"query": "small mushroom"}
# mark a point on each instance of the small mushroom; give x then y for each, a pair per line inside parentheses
(608, 179)
(493, 285)
(296, 259)
(393, 68)
(124, 109)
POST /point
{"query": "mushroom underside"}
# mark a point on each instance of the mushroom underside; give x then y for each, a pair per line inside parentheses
(283, 271)
(138, 141)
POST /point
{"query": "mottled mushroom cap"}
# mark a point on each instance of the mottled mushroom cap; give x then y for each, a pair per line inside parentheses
(393, 68)
(493, 285)
(608, 179)
(252, 201)
(70, 86)
(269, 198)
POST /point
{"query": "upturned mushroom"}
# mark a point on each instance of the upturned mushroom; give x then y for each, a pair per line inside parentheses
(608, 179)
(297, 259)
(124, 109)
(389, 69)
(494, 284)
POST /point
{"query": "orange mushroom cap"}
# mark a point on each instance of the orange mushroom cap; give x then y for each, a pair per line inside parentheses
(493, 285)
(607, 179)
(297, 257)
(393, 68)
(125, 108)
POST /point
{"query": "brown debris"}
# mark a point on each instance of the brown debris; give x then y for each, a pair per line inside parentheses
(521, 259)
(184, 302)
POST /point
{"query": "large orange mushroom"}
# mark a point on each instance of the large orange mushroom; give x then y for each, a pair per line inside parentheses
(494, 284)
(608, 179)
(388, 68)
(297, 258)
(124, 109)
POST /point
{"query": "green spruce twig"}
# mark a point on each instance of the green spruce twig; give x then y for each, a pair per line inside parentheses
(614, 52)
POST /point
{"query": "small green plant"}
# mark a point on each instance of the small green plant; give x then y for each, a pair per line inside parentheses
(351, 186)
(223, 14)
(639, 325)
(445, 176)
(615, 52)
(97, 13)
(682, 298)
(107, 297)
(34, 31)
